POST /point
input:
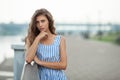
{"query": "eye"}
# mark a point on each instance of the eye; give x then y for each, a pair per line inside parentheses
(42, 21)
(37, 22)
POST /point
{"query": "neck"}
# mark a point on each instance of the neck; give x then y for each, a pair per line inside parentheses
(49, 35)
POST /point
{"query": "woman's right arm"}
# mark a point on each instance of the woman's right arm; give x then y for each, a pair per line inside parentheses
(31, 50)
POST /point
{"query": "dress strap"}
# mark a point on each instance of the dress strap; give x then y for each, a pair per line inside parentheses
(57, 40)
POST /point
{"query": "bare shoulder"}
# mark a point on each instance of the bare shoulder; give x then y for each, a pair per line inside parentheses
(62, 38)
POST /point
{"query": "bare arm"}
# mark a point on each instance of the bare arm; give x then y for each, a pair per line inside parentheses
(31, 50)
(56, 65)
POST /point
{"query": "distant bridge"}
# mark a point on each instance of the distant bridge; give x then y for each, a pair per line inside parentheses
(86, 24)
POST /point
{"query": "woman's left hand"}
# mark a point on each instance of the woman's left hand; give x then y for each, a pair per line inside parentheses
(36, 59)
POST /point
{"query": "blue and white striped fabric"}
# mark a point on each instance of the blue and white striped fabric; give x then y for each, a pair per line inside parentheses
(50, 53)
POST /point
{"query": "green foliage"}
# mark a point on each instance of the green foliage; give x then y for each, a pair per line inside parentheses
(110, 37)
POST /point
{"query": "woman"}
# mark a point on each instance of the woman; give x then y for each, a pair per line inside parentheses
(45, 47)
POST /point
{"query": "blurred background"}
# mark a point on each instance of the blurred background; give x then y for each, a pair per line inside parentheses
(91, 28)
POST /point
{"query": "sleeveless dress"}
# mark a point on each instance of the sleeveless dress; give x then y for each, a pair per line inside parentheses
(50, 53)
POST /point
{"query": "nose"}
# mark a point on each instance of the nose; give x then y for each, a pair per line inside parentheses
(40, 24)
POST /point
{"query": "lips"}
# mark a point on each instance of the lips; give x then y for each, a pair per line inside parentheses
(41, 29)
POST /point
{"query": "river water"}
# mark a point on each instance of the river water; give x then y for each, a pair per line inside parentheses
(5, 46)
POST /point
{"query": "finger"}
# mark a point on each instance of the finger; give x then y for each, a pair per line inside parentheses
(46, 36)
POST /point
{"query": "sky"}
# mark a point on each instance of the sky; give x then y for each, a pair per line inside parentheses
(63, 11)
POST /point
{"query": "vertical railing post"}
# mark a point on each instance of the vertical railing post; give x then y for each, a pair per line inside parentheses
(19, 53)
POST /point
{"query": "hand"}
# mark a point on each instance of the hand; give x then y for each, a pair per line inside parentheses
(36, 59)
(42, 35)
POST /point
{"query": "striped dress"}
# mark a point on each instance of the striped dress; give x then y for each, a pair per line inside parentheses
(50, 53)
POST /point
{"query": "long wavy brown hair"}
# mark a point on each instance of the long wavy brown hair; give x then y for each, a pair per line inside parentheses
(33, 30)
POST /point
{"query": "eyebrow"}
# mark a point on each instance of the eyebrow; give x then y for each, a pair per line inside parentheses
(40, 20)
(43, 20)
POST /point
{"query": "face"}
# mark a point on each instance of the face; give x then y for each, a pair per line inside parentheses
(42, 23)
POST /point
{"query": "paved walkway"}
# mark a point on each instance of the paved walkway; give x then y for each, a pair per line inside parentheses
(6, 69)
(87, 60)
(92, 60)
